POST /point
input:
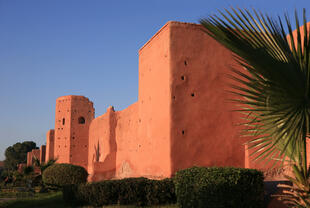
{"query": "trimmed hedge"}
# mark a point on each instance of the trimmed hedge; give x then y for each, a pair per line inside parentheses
(216, 187)
(161, 192)
(60, 175)
(129, 191)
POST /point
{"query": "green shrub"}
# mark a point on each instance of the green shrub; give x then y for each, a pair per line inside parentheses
(129, 191)
(69, 194)
(160, 192)
(132, 191)
(98, 194)
(219, 187)
(60, 175)
(28, 170)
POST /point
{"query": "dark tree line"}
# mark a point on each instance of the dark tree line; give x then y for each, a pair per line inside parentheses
(17, 153)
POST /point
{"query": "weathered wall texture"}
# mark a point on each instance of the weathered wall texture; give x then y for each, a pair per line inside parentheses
(204, 128)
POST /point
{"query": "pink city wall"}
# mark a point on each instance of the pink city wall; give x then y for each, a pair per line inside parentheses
(177, 122)
(182, 117)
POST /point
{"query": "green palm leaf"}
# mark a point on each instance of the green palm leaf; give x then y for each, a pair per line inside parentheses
(272, 83)
(272, 86)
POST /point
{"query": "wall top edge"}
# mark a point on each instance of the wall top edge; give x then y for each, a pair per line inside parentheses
(72, 97)
(167, 25)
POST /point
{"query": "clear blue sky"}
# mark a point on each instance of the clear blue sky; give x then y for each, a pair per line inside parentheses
(51, 48)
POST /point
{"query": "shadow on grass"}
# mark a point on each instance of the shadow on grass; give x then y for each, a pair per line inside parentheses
(55, 200)
(46, 201)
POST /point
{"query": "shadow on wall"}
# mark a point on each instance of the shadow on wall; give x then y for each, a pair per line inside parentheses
(107, 168)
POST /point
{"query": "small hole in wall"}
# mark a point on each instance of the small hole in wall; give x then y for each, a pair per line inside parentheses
(185, 63)
(183, 77)
(193, 94)
(73, 137)
(173, 97)
(183, 132)
(81, 120)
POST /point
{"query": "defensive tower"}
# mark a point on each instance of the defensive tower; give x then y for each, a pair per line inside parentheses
(72, 120)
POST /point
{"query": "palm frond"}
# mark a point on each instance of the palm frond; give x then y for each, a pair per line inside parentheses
(272, 83)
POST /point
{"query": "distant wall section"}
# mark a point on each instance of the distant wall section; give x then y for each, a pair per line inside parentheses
(34, 154)
(42, 153)
(50, 136)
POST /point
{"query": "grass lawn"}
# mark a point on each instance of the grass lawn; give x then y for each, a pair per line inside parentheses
(39, 200)
(52, 200)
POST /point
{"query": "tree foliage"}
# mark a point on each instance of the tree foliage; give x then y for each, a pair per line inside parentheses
(60, 175)
(44, 165)
(17, 153)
